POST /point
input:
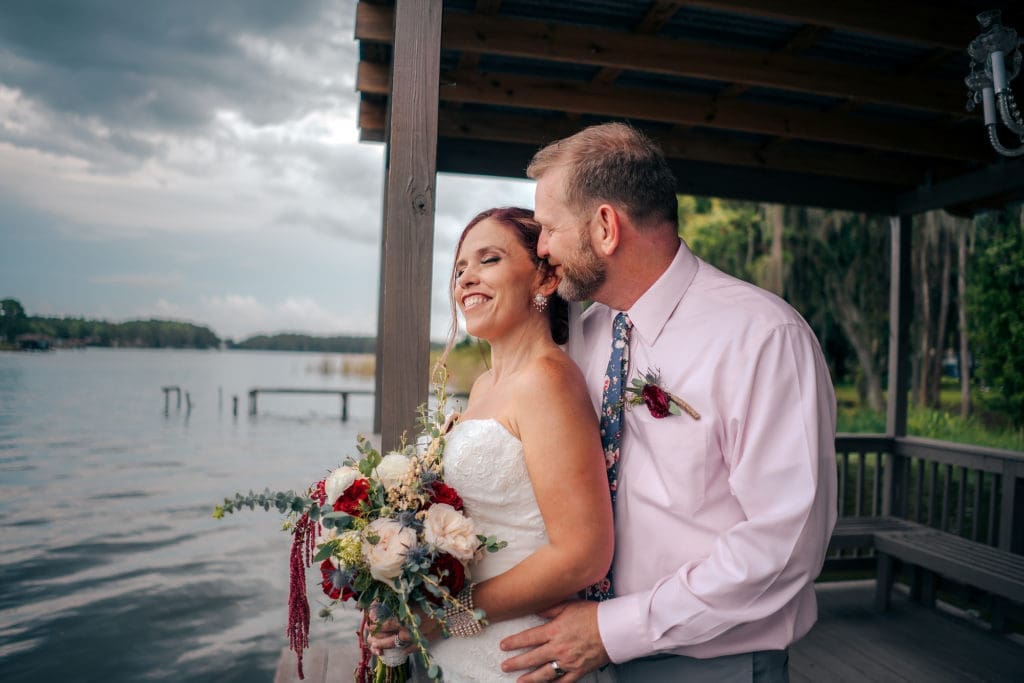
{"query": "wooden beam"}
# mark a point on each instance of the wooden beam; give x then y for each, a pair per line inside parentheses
(505, 159)
(569, 43)
(657, 15)
(1001, 178)
(470, 60)
(692, 110)
(408, 236)
(372, 116)
(801, 40)
(678, 143)
(921, 22)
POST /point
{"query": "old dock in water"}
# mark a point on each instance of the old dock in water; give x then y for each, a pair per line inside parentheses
(343, 393)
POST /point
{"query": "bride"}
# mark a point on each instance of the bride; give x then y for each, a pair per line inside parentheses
(525, 455)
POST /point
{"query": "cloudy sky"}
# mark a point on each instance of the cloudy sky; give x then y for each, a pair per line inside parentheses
(199, 161)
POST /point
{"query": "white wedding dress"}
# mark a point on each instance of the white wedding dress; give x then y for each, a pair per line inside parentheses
(484, 463)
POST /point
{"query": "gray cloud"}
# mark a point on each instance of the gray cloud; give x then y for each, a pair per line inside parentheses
(144, 67)
(350, 230)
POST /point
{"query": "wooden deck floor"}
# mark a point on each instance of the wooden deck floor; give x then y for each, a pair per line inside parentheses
(850, 642)
(910, 642)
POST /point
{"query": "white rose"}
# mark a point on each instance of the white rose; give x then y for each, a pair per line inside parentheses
(338, 482)
(387, 555)
(451, 531)
(393, 468)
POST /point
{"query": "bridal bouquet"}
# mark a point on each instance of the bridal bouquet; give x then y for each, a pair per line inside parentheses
(387, 534)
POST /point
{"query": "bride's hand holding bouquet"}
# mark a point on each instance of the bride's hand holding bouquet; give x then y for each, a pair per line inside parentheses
(389, 535)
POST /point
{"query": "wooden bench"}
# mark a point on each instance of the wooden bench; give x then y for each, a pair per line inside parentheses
(936, 552)
(859, 532)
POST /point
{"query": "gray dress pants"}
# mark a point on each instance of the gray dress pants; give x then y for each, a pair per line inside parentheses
(769, 666)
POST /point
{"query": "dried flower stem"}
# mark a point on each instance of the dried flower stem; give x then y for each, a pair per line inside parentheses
(687, 408)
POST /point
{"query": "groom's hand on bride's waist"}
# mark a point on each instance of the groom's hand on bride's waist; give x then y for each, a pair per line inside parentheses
(571, 640)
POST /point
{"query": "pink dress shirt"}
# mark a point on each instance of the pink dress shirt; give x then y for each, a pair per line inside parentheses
(722, 523)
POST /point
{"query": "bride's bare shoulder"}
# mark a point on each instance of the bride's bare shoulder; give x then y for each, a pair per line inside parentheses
(553, 372)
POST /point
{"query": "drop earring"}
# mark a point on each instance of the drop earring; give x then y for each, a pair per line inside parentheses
(540, 302)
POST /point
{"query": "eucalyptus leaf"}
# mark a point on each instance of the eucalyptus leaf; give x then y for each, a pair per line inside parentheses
(325, 551)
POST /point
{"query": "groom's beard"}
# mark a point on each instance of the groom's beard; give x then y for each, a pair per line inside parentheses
(583, 274)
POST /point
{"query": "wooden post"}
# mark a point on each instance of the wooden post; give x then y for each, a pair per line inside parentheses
(252, 402)
(234, 405)
(1011, 516)
(344, 407)
(167, 396)
(900, 302)
(407, 245)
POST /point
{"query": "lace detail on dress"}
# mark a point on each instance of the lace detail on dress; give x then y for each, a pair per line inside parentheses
(484, 462)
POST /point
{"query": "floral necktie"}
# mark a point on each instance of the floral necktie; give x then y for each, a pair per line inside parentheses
(611, 426)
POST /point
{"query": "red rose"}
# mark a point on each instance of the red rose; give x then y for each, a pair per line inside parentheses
(354, 496)
(454, 578)
(442, 493)
(328, 571)
(656, 400)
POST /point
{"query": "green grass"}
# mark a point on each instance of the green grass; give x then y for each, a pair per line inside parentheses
(945, 424)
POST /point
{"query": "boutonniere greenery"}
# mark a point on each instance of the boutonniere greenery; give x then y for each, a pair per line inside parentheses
(647, 390)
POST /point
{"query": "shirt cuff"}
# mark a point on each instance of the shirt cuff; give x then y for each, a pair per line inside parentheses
(622, 631)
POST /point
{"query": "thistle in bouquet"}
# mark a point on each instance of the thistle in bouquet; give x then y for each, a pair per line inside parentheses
(389, 535)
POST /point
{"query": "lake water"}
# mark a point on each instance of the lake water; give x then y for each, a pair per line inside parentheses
(111, 567)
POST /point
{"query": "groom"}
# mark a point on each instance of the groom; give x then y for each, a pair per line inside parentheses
(722, 515)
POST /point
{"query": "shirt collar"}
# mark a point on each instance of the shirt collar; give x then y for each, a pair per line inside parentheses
(651, 311)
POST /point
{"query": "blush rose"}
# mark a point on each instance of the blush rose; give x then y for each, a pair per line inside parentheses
(450, 531)
(388, 554)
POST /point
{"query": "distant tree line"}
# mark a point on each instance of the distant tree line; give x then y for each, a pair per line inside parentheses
(304, 342)
(16, 324)
(152, 334)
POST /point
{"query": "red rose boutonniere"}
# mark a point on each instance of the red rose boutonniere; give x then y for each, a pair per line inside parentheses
(647, 390)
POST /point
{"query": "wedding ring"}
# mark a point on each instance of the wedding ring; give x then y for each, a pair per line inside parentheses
(559, 671)
(399, 643)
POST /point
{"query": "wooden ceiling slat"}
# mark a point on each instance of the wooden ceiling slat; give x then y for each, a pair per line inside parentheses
(923, 22)
(595, 47)
(470, 60)
(657, 15)
(537, 131)
(689, 110)
(458, 155)
(989, 187)
(804, 38)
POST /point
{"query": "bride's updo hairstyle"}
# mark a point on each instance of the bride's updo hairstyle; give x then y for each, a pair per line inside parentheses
(522, 223)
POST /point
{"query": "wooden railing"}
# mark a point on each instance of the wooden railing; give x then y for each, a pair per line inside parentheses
(970, 491)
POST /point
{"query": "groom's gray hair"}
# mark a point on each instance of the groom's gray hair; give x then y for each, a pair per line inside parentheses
(614, 163)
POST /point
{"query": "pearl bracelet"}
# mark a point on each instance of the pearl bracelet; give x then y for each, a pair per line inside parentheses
(459, 616)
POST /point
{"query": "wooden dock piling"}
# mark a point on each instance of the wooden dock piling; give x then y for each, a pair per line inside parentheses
(167, 396)
(343, 393)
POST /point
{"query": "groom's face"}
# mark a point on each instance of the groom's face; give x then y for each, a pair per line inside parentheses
(565, 240)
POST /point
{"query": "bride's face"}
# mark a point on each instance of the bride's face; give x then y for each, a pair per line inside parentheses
(494, 280)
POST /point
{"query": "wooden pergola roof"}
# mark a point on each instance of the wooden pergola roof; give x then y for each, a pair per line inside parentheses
(856, 104)
(851, 104)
